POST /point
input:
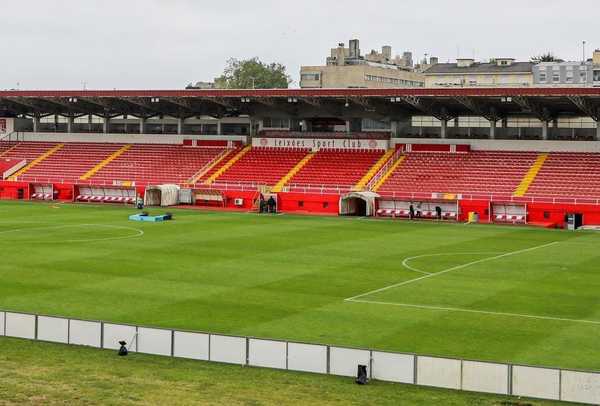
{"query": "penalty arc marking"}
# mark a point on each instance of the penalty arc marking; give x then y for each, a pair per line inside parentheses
(454, 268)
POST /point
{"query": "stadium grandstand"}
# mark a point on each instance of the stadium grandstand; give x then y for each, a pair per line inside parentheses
(511, 155)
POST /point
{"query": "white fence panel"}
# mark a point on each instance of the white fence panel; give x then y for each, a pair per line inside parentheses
(345, 361)
(1, 323)
(86, 333)
(307, 358)
(113, 333)
(438, 372)
(393, 367)
(154, 341)
(485, 377)
(231, 350)
(190, 345)
(20, 325)
(581, 387)
(267, 353)
(53, 329)
(542, 383)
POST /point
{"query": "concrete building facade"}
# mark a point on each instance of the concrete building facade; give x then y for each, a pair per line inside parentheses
(568, 73)
(348, 68)
(500, 72)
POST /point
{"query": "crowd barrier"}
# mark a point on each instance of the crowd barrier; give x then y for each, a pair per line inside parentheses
(477, 376)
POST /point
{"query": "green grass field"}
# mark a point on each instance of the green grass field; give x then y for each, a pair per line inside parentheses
(40, 373)
(510, 294)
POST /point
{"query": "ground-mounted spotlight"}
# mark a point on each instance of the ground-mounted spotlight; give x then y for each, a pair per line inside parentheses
(123, 350)
(361, 375)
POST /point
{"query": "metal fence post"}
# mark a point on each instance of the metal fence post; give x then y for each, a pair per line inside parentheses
(416, 366)
(101, 334)
(172, 343)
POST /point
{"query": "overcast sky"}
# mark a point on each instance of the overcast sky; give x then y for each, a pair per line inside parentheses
(165, 44)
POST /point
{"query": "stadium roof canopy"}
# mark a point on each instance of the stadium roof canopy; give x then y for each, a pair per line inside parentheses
(545, 103)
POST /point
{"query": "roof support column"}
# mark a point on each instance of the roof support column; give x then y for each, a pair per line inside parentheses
(180, 124)
(219, 127)
(142, 125)
(106, 125)
(70, 122)
(36, 123)
(304, 125)
(348, 127)
(544, 130)
(492, 129)
(394, 128)
(444, 129)
(598, 130)
(252, 127)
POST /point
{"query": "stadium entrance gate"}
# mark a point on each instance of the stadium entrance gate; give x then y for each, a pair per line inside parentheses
(358, 204)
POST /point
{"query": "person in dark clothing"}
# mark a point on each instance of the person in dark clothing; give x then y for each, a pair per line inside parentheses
(271, 204)
(438, 212)
(411, 212)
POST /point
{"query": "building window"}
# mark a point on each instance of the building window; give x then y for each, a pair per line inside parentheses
(369, 124)
(556, 77)
(393, 81)
(569, 77)
(542, 77)
(269, 122)
(597, 76)
(583, 77)
(310, 76)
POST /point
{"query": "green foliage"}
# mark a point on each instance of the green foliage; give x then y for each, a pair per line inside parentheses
(37, 373)
(547, 57)
(252, 73)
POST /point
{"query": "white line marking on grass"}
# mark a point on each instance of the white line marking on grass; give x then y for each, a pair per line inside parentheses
(458, 309)
(407, 260)
(138, 231)
(454, 268)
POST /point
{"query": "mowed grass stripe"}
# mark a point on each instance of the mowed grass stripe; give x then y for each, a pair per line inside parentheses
(286, 277)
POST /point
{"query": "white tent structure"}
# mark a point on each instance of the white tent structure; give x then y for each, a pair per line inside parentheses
(358, 204)
(161, 195)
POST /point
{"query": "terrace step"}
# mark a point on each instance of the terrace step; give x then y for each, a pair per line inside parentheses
(8, 150)
(530, 176)
(105, 162)
(389, 173)
(374, 169)
(36, 161)
(283, 181)
(228, 165)
(194, 179)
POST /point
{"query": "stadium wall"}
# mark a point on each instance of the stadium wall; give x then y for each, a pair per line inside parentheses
(507, 145)
(125, 138)
(328, 204)
(450, 373)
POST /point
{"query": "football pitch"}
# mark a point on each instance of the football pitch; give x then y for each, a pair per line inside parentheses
(497, 293)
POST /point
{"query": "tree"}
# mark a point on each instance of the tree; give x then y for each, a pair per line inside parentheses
(547, 57)
(253, 74)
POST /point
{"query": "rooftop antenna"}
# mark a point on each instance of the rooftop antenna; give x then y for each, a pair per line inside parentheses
(583, 46)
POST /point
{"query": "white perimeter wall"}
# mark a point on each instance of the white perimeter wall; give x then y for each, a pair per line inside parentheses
(477, 376)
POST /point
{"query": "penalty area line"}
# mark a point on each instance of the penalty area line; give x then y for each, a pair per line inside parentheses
(454, 268)
(491, 313)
